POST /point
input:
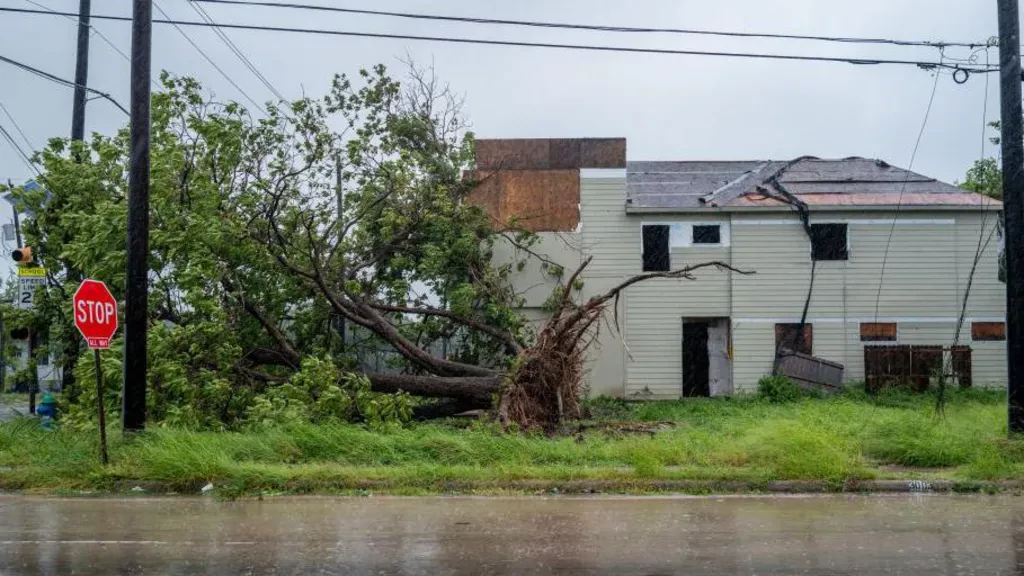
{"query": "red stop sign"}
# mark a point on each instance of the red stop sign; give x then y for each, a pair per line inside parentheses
(95, 313)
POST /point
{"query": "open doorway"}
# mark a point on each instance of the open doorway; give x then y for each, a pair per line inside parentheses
(695, 359)
(707, 362)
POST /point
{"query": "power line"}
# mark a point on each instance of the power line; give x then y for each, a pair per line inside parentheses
(16, 125)
(17, 148)
(91, 27)
(201, 53)
(903, 188)
(598, 28)
(62, 81)
(986, 203)
(238, 51)
(929, 65)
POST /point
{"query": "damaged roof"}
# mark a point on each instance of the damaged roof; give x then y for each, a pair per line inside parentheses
(856, 182)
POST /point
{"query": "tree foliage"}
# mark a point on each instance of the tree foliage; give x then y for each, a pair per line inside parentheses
(284, 247)
(264, 233)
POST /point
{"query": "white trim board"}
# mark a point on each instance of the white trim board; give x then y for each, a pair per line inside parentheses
(602, 173)
(908, 320)
(857, 222)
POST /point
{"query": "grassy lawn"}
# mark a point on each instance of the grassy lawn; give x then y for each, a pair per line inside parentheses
(848, 437)
(13, 398)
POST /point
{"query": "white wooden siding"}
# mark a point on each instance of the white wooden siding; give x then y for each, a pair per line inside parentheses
(608, 233)
(926, 269)
(532, 282)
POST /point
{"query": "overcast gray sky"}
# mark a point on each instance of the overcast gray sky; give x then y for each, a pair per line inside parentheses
(669, 107)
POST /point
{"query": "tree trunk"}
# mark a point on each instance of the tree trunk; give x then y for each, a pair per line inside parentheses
(478, 389)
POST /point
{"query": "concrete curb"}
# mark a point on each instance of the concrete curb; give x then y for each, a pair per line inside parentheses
(609, 486)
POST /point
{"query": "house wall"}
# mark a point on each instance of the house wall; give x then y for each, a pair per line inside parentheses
(929, 258)
(922, 288)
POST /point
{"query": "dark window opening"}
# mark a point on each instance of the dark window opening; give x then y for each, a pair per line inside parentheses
(988, 331)
(709, 234)
(655, 248)
(878, 332)
(828, 242)
(789, 337)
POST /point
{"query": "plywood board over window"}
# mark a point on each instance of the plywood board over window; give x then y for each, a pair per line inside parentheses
(878, 331)
(789, 337)
(988, 331)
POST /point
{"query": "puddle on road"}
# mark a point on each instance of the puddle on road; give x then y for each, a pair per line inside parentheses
(934, 534)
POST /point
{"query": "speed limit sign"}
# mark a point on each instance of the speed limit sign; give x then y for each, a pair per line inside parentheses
(29, 279)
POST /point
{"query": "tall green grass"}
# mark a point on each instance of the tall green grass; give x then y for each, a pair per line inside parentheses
(833, 439)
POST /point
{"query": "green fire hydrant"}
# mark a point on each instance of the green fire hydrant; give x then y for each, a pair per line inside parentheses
(47, 411)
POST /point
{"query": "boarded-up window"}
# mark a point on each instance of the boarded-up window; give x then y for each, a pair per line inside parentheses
(828, 242)
(655, 248)
(790, 337)
(707, 234)
(990, 331)
(877, 331)
(916, 367)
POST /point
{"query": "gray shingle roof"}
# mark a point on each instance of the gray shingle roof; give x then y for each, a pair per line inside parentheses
(850, 181)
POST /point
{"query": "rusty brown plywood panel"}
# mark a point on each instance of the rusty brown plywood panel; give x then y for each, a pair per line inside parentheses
(788, 337)
(550, 153)
(988, 331)
(513, 154)
(925, 364)
(540, 200)
(878, 331)
(885, 366)
(603, 153)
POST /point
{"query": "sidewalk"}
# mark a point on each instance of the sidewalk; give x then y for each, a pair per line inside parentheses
(11, 411)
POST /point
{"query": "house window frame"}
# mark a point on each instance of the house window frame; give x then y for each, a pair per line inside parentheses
(693, 234)
(846, 240)
(668, 246)
(808, 327)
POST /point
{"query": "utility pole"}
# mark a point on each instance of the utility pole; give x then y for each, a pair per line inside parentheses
(133, 413)
(81, 71)
(33, 377)
(1013, 205)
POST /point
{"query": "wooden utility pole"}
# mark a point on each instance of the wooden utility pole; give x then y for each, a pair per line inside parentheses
(1013, 205)
(133, 413)
(81, 71)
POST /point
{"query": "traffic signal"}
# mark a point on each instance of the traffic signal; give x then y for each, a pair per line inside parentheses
(22, 255)
(19, 333)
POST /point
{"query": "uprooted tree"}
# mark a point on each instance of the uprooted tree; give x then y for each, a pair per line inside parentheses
(285, 241)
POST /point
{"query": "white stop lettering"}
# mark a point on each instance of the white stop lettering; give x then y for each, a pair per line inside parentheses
(92, 312)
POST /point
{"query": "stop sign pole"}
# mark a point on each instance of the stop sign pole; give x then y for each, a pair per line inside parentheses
(95, 312)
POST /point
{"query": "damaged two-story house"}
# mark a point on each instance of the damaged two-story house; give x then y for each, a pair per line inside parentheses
(879, 269)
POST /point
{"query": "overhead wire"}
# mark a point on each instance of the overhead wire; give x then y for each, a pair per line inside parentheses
(903, 188)
(62, 81)
(986, 205)
(16, 125)
(25, 158)
(91, 27)
(237, 51)
(592, 27)
(925, 64)
(205, 57)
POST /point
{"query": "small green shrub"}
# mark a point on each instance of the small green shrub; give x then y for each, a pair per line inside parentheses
(778, 389)
(321, 394)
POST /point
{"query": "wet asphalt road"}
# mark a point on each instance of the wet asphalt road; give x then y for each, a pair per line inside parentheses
(602, 535)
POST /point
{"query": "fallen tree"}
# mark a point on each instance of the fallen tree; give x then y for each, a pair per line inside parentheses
(290, 247)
